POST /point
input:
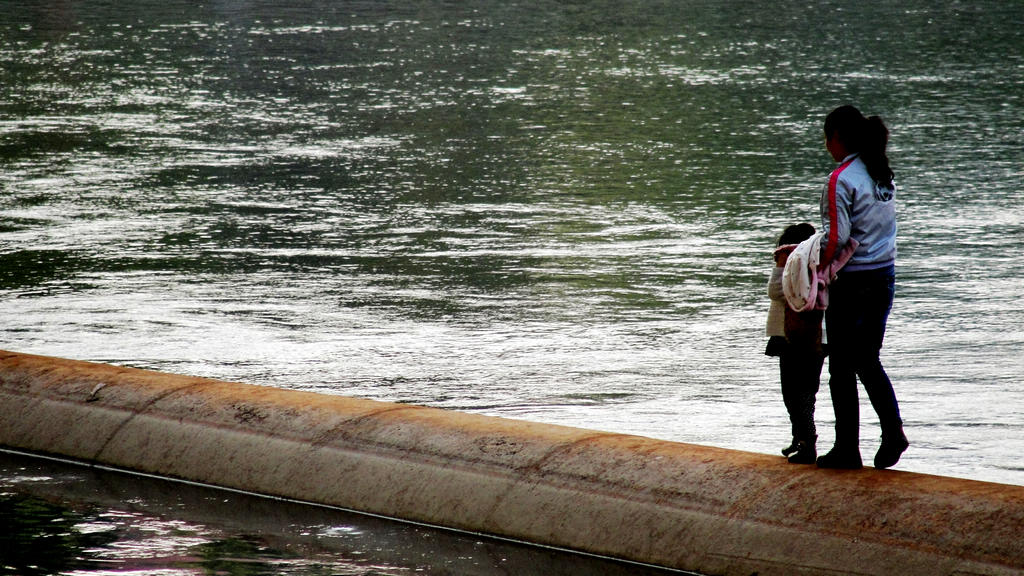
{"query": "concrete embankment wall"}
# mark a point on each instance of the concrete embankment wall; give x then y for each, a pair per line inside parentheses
(683, 506)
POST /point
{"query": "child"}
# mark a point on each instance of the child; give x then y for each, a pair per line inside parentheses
(795, 337)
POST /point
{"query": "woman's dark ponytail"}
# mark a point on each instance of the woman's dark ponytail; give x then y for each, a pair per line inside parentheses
(866, 136)
(875, 138)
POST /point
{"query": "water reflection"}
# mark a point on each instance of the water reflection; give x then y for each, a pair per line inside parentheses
(74, 520)
(43, 538)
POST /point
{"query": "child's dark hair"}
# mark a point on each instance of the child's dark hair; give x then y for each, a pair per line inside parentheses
(796, 233)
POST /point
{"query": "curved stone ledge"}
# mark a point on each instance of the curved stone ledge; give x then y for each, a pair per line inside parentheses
(682, 506)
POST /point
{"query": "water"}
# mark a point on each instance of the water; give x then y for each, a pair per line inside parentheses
(554, 211)
(60, 519)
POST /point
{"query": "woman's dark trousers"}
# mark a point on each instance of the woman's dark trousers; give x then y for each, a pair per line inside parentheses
(859, 305)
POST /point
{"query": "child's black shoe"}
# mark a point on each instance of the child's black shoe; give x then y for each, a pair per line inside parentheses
(806, 453)
(793, 447)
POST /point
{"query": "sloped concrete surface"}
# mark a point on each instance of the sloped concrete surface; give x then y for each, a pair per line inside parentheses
(677, 505)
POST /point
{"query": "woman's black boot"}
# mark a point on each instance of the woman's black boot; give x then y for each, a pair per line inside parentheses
(841, 458)
(893, 446)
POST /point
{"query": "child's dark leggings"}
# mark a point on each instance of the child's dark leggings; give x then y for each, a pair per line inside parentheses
(800, 374)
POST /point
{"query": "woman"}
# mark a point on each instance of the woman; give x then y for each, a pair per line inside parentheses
(858, 203)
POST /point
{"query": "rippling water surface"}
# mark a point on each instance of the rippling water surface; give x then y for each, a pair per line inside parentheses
(559, 212)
